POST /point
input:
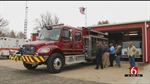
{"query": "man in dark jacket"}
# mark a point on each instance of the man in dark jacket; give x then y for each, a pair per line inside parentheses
(118, 53)
(99, 53)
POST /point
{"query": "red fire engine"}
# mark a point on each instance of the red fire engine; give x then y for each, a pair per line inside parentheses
(59, 45)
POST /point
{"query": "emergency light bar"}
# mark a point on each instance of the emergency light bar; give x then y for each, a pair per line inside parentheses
(57, 24)
(50, 26)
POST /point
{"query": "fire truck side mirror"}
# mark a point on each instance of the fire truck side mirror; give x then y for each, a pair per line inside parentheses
(70, 38)
(70, 34)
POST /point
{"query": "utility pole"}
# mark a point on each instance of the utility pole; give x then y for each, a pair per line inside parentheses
(26, 21)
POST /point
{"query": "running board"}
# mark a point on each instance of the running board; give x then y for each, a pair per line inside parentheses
(73, 59)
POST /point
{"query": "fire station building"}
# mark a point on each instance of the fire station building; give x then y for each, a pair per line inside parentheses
(129, 31)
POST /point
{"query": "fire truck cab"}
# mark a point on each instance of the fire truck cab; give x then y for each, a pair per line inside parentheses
(59, 45)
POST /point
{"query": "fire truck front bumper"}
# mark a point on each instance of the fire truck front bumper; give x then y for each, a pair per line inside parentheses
(28, 58)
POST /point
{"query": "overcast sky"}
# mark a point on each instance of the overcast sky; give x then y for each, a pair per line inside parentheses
(68, 12)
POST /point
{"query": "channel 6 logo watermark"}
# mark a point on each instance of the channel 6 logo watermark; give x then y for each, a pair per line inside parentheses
(133, 72)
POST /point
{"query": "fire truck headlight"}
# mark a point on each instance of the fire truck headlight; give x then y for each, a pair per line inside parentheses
(43, 50)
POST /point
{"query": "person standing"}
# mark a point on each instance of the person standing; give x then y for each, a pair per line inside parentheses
(116, 63)
(118, 53)
(105, 57)
(99, 53)
(112, 54)
(131, 54)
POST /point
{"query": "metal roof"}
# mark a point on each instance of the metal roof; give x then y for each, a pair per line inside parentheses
(119, 23)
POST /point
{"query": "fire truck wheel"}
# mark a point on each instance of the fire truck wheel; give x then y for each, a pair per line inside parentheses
(55, 63)
(29, 66)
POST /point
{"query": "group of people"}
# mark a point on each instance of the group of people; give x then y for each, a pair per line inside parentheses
(105, 55)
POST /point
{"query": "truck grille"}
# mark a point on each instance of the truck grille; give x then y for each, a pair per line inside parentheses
(29, 50)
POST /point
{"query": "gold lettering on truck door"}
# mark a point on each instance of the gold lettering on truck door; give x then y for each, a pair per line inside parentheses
(78, 46)
(66, 45)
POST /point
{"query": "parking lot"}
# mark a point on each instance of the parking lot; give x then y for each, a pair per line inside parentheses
(14, 72)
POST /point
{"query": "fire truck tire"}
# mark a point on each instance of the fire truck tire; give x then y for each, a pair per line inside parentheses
(29, 66)
(55, 63)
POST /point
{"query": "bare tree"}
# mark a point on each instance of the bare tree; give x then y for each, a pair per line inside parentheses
(56, 20)
(3, 22)
(3, 27)
(5, 32)
(46, 19)
(2, 34)
(103, 22)
(12, 34)
(20, 35)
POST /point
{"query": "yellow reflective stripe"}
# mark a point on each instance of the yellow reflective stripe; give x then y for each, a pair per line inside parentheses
(42, 58)
(12, 58)
(15, 57)
(9, 56)
(36, 59)
(27, 58)
(31, 59)
(23, 58)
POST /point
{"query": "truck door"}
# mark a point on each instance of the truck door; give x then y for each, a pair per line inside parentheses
(78, 42)
(67, 43)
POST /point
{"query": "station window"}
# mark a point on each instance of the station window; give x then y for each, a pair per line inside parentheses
(77, 36)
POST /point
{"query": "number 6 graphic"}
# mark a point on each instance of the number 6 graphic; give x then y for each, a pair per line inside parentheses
(133, 70)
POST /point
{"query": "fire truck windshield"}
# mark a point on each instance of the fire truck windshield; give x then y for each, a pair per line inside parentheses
(52, 34)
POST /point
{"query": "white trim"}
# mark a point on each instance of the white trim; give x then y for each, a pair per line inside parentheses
(146, 42)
